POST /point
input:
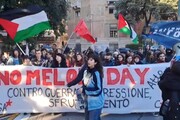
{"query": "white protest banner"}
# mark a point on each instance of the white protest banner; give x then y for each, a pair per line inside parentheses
(127, 89)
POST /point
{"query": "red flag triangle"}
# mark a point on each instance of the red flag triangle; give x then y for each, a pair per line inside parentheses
(10, 27)
(121, 22)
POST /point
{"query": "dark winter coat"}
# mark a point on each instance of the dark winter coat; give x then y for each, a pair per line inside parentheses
(170, 87)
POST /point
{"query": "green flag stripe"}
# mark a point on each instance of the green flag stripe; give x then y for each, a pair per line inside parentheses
(125, 30)
(31, 31)
(135, 41)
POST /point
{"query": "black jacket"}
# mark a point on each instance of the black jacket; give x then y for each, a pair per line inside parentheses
(170, 87)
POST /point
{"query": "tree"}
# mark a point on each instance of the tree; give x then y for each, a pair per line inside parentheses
(138, 10)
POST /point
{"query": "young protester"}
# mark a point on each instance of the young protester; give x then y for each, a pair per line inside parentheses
(38, 61)
(26, 61)
(59, 61)
(92, 87)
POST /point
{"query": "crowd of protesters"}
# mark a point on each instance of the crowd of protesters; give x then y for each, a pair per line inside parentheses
(58, 58)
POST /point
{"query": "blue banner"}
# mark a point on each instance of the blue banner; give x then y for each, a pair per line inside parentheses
(166, 33)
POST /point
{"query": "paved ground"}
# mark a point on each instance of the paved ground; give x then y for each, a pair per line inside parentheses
(80, 116)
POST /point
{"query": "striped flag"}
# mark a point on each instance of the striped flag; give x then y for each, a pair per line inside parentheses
(21, 24)
(125, 28)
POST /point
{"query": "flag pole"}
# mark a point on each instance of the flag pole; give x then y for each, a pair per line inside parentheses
(27, 49)
(21, 49)
(68, 41)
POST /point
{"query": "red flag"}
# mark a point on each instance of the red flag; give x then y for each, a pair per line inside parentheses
(123, 26)
(10, 27)
(121, 22)
(82, 30)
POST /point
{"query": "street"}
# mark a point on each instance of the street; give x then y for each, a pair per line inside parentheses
(79, 116)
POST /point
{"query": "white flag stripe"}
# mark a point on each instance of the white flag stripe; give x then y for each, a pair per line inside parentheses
(30, 20)
(134, 35)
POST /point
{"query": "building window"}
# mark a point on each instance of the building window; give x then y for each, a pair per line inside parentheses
(111, 10)
(77, 13)
(111, 2)
(113, 30)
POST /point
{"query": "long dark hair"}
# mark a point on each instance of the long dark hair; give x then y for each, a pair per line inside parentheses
(99, 65)
(63, 61)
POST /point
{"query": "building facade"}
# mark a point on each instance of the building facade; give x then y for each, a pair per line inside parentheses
(100, 20)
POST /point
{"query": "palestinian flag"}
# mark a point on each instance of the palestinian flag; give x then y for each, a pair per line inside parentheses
(21, 24)
(125, 28)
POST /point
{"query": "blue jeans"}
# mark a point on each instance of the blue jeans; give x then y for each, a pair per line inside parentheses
(93, 114)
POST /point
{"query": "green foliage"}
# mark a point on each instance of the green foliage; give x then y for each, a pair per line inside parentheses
(144, 10)
(136, 10)
(57, 10)
(8, 43)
